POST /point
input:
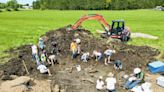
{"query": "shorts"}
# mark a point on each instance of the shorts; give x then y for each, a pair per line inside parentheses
(106, 56)
(44, 71)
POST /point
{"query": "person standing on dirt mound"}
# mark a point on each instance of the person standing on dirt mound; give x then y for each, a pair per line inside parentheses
(54, 50)
(108, 53)
(34, 52)
(78, 41)
(111, 82)
(74, 49)
(41, 44)
(137, 77)
(97, 54)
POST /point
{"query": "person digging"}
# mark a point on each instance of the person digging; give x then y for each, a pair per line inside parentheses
(52, 59)
(108, 53)
(97, 55)
(43, 69)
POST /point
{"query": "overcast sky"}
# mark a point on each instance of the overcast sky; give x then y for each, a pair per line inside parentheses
(20, 1)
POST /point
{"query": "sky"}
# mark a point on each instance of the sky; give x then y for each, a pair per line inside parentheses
(20, 1)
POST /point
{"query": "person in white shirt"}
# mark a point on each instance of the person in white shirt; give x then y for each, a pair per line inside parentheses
(108, 53)
(34, 51)
(97, 55)
(111, 82)
(43, 69)
(100, 84)
(78, 41)
(52, 59)
(85, 57)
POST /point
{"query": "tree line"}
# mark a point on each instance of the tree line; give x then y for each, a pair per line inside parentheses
(96, 4)
(11, 5)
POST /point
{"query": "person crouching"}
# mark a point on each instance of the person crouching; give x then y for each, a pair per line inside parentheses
(85, 57)
(43, 69)
(117, 65)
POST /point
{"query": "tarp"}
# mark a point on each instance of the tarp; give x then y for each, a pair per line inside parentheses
(156, 67)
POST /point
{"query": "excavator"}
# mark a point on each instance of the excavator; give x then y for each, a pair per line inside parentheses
(116, 30)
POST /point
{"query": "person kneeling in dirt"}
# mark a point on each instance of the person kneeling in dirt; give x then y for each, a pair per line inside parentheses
(108, 53)
(74, 49)
(85, 57)
(117, 65)
(136, 78)
(43, 69)
(97, 55)
(111, 82)
(52, 60)
(100, 84)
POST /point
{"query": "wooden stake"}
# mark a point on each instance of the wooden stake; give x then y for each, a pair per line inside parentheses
(25, 67)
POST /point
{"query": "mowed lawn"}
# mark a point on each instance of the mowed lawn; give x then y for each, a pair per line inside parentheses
(22, 27)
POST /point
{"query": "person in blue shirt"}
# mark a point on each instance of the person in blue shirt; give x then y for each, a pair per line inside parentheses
(117, 65)
(41, 44)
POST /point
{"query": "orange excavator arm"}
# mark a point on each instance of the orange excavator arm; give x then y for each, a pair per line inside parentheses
(92, 17)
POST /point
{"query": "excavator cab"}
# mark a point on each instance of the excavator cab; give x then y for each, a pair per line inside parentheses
(117, 27)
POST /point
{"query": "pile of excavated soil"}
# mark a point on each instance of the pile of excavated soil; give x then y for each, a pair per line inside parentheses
(65, 74)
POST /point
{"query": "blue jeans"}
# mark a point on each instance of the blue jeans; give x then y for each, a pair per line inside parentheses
(131, 84)
(111, 90)
(74, 54)
(34, 57)
(98, 58)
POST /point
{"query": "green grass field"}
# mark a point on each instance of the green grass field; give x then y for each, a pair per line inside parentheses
(22, 27)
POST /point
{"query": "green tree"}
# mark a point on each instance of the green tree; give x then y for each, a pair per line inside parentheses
(12, 4)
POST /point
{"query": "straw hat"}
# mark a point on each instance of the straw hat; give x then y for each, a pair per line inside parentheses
(78, 40)
(40, 39)
(114, 51)
(110, 74)
(137, 70)
(87, 53)
(100, 77)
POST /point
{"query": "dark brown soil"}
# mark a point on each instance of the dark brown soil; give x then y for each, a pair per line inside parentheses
(131, 56)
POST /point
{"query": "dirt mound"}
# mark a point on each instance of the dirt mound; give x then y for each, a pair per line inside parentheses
(129, 54)
(132, 56)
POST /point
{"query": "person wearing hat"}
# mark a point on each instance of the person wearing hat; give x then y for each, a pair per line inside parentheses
(137, 77)
(78, 41)
(41, 44)
(111, 82)
(100, 83)
(108, 53)
(74, 49)
(85, 57)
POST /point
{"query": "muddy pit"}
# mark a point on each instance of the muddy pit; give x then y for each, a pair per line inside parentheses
(65, 73)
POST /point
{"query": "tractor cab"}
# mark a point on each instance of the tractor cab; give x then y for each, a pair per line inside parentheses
(117, 27)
